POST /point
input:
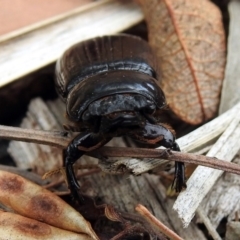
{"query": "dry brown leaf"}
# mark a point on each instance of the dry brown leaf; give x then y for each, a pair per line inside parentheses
(188, 38)
(112, 215)
(32, 201)
(16, 227)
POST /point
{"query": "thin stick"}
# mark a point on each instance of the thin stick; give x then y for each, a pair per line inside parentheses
(156, 224)
(59, 139)
(55, 139)
(173, 156)
(211, 229)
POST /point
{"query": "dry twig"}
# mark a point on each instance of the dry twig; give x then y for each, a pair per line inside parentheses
(60, 139)
(156, 224)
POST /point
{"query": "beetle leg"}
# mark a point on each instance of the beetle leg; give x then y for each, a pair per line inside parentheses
(179, 181)
(82, 143)
(161, 135)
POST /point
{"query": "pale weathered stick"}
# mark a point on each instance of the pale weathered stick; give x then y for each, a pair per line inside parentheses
(211, 230)
(231, 84)
(43, 45)
(203, 179)
(52, 20)
(208, 131)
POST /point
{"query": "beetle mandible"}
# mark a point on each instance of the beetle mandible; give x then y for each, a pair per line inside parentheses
(110, 88)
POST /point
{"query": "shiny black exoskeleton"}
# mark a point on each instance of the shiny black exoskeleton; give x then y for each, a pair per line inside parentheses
(111, 89)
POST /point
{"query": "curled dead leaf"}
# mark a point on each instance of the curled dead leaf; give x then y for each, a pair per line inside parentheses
(188, 38)
(32, 201)
(112, 215)
(16, 227)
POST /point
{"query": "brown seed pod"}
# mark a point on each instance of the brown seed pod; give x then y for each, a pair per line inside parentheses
(16, 227)
(33, 201)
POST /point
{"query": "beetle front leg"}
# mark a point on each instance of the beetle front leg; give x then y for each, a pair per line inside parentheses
(162, 135)
(82, 143)
(179, 181)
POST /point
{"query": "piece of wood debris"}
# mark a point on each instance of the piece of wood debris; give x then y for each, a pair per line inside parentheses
(223, 199)
(40, 158)
(231, 84)
(233, 231)
(211, 229)
(44, 43)
(208, 131)
(203, 179)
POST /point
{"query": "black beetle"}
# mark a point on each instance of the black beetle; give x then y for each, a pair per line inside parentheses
(110, 88)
